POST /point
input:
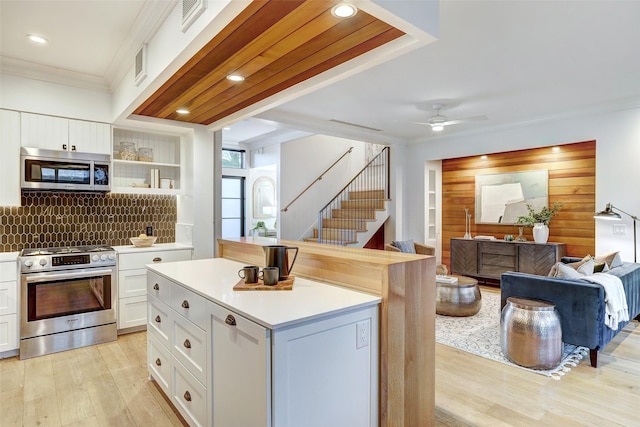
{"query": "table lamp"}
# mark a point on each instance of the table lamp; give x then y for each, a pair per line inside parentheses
(609, 214)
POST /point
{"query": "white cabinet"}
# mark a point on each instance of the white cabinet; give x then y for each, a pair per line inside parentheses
(178, 348)
(59, 133)
(10, 158)
(133, 175)
(132, 282)
(8, 306)
(433, 222)
(241, 377)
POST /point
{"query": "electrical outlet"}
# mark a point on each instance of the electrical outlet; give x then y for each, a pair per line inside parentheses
(362, 334)
(619, 229)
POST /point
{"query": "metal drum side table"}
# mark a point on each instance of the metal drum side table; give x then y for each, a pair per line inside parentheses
(531, 333)
(458, 299)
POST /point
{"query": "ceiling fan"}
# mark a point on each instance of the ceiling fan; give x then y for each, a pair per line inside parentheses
(438, 121)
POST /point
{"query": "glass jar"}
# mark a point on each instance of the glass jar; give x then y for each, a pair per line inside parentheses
(127, 151)
(145, 154)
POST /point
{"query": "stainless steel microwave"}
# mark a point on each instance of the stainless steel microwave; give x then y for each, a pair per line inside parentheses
(42, 169)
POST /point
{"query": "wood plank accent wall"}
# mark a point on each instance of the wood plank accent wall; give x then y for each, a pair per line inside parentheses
(407, 285)
(572, 181)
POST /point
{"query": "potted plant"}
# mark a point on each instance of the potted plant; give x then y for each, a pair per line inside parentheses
(539, 220)
(260, 225)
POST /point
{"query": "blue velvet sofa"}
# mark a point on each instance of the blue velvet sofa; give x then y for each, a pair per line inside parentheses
(579, 303)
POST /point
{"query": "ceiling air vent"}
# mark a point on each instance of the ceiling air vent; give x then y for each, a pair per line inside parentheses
(140, 71)
(191, 9)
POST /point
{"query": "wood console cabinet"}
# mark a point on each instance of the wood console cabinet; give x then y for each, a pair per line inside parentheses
(490, 258)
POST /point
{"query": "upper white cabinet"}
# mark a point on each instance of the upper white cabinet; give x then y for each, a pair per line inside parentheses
(58, 133)
(10, 158)
(132, 170)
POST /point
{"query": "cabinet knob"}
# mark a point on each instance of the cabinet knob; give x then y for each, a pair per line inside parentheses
(187, 343)
(157, 259)
(157, 319)
(158, 362)
(64, 146)
(156, 287)
(187, 396)
(230, 320)
(185, 304)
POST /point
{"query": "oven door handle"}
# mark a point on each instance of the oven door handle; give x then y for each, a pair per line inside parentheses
(63, 276)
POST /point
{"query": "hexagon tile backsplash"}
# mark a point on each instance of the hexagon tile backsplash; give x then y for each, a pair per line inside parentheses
(48, 219)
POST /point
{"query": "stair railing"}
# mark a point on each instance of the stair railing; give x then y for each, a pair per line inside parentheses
(286, 208)
(370, 188)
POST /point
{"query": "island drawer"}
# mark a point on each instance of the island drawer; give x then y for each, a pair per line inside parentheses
(190, 305)
(159, 320)
(159, 287)
(189, 346)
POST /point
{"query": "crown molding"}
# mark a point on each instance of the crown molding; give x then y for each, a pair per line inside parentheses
(30, 70)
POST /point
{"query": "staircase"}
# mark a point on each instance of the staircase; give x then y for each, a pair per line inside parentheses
(352, 222)
(359, 209)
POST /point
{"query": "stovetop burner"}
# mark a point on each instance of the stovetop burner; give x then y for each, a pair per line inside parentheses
(65, 250)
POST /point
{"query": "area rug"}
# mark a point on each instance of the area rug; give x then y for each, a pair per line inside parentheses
(480, 335)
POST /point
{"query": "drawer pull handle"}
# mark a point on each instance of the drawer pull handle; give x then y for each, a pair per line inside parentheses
(156, 287)
(157, 319)
(187, 396)
(230, 320)
(158, 362)
(185, 304)
(73, 148)
(157, 259)
(187, 343)
(64, 146)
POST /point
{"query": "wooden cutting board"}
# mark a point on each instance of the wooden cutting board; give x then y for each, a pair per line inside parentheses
(283, 285)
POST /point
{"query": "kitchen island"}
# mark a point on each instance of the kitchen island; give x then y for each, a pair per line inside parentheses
(307, 356)
(406, 283)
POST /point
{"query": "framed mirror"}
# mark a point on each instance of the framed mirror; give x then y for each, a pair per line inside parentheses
(264, 198)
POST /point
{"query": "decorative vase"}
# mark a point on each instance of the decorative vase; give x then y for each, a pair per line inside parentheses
(521, 237)
(467, 224)
(540, 232)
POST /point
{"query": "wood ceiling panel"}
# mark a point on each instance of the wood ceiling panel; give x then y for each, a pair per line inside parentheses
(275, 45)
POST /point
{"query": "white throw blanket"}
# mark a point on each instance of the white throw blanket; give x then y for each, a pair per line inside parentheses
(615, 300)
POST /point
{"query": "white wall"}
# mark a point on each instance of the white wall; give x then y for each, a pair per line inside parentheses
(53, 99)
(617, 136)
(301, 162)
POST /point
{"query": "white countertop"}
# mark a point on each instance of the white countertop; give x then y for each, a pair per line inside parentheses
(215, 278)
(9, 256)
(156, 247)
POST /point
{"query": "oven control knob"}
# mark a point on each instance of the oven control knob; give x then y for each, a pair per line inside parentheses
(103, 257)
(112, 257)
(95, 258)
(28, 263)
(43, 261)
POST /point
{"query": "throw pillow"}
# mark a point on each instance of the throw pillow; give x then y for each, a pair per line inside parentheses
(405, 246)
(564, 271)
(612, 259)
(587, 268)
(601, 267)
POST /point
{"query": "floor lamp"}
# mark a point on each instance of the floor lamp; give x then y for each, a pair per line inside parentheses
(609, 214)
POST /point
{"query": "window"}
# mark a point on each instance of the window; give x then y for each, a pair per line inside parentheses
(233, 202)
(233, 158)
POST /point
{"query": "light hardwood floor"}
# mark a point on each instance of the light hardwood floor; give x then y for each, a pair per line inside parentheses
(107, 385)
(101, 385)
(473, 391)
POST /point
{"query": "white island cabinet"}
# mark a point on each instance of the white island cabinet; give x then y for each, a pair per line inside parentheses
(308, 356)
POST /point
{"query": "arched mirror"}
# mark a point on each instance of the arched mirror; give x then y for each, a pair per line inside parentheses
(264, 198)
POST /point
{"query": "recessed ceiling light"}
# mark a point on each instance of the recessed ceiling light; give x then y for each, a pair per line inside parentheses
(182, 111)
(344, 10)
(37, 39)
(483, 157)
(556, 149)
(226, 128)
(235, 77)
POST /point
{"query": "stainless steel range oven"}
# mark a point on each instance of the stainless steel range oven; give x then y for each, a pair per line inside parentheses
(67, 298)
